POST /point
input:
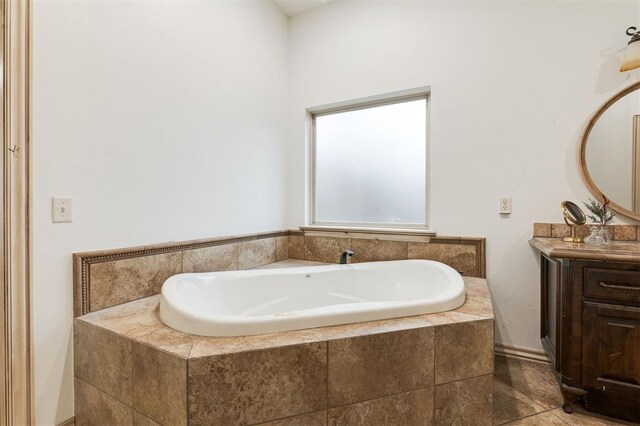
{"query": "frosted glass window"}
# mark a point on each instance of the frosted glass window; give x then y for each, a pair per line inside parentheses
(370, 165)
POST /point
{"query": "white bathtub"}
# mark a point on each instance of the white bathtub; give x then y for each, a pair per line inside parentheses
(239, 303)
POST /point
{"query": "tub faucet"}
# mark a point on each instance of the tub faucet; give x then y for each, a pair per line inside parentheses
(345, 254)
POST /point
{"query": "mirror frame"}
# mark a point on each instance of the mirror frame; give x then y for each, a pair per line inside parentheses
(582, 149)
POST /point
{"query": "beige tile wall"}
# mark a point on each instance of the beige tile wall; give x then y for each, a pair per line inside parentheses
(94, 346)
(112, 277)
(466, 255)
(95, 408)
(408, 377)
(462, 351)
(257, 386)
(559, 230)
(122, 382)
(465, 402)
(402, 361)
(120, 281)
(408, 408)
(159, 385)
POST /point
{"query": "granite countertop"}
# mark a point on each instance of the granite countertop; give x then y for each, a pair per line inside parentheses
(616, 251)
(139, 321)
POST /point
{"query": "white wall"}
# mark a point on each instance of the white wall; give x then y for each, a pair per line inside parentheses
(165, 121)
(513, 85)
(171, 120)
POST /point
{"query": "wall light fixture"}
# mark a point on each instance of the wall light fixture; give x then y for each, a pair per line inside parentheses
(632, 56)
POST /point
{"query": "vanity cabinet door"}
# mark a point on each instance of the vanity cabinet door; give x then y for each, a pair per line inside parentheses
(551, 320)
(611, 359)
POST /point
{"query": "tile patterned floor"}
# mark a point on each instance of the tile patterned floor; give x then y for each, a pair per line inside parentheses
(526, 393)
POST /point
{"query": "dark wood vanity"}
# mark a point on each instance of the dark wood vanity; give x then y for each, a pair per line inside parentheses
(590, 323)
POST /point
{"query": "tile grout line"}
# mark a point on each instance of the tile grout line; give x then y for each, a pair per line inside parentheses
(535, 402)
(267, 422)
(326, 410)
(533, 415)
(433, 394)
(462, 380)
(386, 396)
(186, 391)
(76, 377)
(433, 384)
(133, 379)
(554, 411)
(104, 391)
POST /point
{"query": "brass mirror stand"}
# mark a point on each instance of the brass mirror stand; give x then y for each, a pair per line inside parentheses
(573, 238)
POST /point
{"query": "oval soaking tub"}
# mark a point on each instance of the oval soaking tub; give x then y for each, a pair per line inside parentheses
(239, 303)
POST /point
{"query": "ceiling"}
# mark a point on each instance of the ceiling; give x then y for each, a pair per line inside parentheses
(296, 7)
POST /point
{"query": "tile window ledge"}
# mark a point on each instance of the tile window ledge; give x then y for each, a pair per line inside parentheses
(366, 232)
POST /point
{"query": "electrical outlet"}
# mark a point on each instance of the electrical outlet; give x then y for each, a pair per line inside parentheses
(61, 209)
(505, 205)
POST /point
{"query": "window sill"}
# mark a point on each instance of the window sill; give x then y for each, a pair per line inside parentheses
(368, 232)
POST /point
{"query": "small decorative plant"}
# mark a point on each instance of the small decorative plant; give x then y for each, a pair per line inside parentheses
(600, 213)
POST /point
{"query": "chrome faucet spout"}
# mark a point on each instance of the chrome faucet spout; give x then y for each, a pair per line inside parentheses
(345, 255)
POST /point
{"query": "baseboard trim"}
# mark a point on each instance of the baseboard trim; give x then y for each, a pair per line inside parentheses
(519, 352)
(68, 422)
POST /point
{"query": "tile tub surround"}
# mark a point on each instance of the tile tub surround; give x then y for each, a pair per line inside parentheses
(400, 371)
(464, 254)
(108, 278)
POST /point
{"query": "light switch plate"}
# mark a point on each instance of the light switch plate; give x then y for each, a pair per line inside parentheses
(61, 209)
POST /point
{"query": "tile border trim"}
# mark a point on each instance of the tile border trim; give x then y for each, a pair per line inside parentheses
(480, 245)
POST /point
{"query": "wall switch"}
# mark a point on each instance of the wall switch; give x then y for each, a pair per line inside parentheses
(505, 205)
(61, 209)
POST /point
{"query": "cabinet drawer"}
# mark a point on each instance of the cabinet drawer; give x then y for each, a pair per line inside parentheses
(612, 284)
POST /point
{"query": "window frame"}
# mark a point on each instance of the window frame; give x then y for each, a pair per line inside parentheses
(354, 105)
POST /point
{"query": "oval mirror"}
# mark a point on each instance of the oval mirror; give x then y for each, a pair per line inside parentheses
(609, 154)
(573, 213)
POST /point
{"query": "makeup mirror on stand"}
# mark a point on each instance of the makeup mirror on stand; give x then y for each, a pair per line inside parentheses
(574, 217)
